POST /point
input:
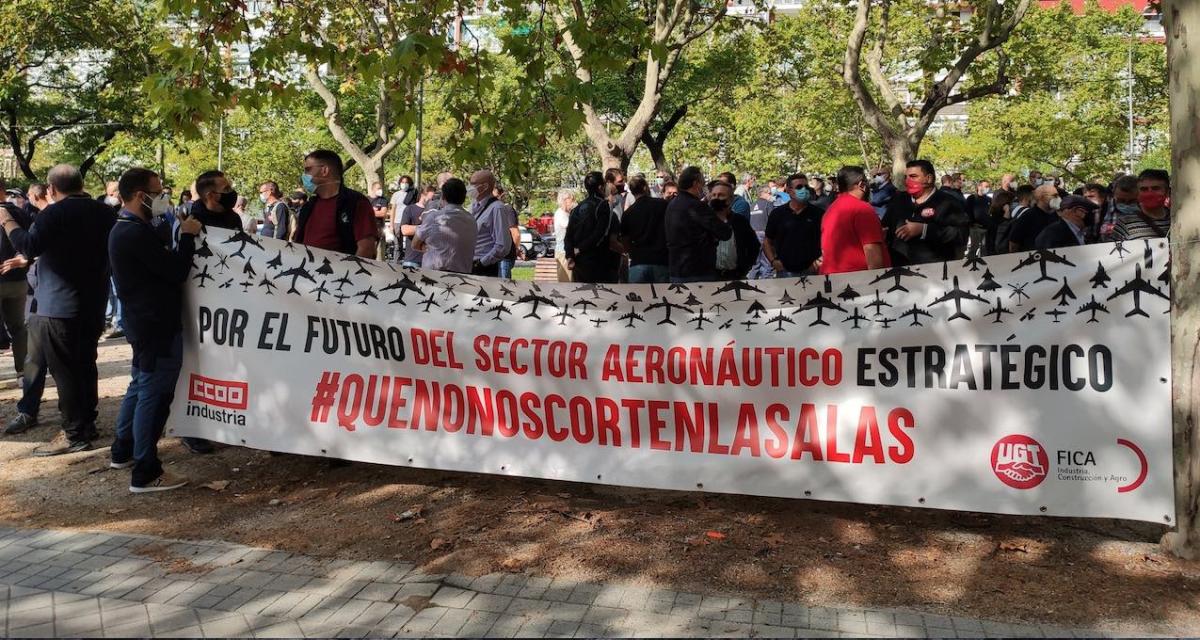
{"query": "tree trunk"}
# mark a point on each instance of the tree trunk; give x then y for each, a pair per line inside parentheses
(1182, 21)
(900, 151)
(90, 161)
(656, 154)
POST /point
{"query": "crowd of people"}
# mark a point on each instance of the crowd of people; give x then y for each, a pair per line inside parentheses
(73, 266)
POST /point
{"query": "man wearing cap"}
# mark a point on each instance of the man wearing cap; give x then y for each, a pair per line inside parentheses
(1074, 215)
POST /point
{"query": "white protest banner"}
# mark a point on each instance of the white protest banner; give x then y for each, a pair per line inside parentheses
(1022, 384)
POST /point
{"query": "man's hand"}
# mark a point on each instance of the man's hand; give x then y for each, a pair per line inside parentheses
(777, 265)
(19, 262)
(520, 252)
(190, 226)
(571, 263)
(5, 216)
(910, 230)
(816, 265)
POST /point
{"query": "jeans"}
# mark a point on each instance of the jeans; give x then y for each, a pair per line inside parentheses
(113, 312)
(12, 310)
(648, 273)
(144, 413)
(33, 383)
(409, 263)
(711, 277)
(69, 346)
(506, 267)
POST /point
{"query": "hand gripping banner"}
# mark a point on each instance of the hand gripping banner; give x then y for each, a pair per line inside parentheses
(1030, 384)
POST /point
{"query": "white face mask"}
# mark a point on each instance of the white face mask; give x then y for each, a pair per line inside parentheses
(1055, 203)
(404, 186)
(111, 201)
(160, 206)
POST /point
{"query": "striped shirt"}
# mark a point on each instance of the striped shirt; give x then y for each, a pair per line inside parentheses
(1134, 227)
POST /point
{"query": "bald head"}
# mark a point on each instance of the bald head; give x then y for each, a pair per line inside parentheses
(482, 184)
(1043, 194)
(65, 180)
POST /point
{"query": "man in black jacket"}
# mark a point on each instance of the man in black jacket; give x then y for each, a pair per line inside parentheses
(743, 245)
(215, 199)
(590, 233)
(925, 224)
(13, 288)
(643, 232)
(70, 241)
(1074, 216)
(693, 230)
(792, 242)
(150, 277)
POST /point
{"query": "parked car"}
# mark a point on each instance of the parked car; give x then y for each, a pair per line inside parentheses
(535, 244)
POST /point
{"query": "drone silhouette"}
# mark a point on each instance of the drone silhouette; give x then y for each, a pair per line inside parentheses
(737, 287)
(896, 273)
(748, 324)
(668, 306)
(1137, 286)
(1042, 257)
(341, 297)
(202, 276)
(1056, 312)
(242, 239)
(295, 273)
(245, 285)
(957, 295)
(717, 308)
(1094, 307)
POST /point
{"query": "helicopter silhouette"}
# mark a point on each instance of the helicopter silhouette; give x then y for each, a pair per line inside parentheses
(295, 273)
(202, 276)
(223, 264)
(957, 295)
(448, 290)
(666, 304)
(1094, 307)
(632, 317)
(1018, 292)
(999, 310)
(536, 300)
(896, 273)
(915, 313)
(1137, 286)
(1042, 257)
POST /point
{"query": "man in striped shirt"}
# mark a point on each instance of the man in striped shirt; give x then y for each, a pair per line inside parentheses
(1152, 219)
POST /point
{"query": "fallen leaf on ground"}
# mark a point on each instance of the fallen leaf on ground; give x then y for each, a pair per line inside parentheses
(1013, 546)
(113, 512)
(215, 485)
(438, 543)
(715, 535)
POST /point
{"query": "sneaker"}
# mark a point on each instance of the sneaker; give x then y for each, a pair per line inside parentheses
(20, 424)
(198, 446)
(61, 445)
(113, 464)
(114, 333)
(165, 482)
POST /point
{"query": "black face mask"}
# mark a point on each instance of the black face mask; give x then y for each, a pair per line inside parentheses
(228, 200)
(718, 205)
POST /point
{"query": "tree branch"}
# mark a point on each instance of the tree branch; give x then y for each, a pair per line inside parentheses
(852, 74)
(875, 64)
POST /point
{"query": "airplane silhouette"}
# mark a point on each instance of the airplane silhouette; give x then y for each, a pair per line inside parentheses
(462, 279)
(748, 324)
(897, 273)
(786, 299)
(499, 309)
(404, 284)
(1165, 276)
(320, 290)
(1094, 307)
(1056, 313)
(366, 293)
(343, 281)
(308, 255)
(451, 310)
(595, 288)
(778, 319)
(598, 321)
(945, 271)
(471, 311)
(1064, 294)
(885, 321)
(536, 300)
(245, 285)
(1042, 257)
(248, 268)
(505, 291)
(479, 297)
(757, 309)
(700, 319)
(295, 273)
(1119, 249)
(973, 261)
(665, 304)
(879, 304)
(228, 283)
(563, 314)
(428, 280)
(277, 261)
(1148, 255)
(1137, 287)
(957, 295)
(692, 300)
(202, 276)
(855, 317)
(999, 310)
(1029, 315)
(848, 294)
(632, 317)
(1101, 279)
(270, 286)
(677, 287)
(556, 294)
(653, 291)
(1019, 292)
(802, 282)
(717, 307)
(243, 239)
(362, 264)
(737, 287)
(584, 304)
(728, 323)
(821, 304)
(326, 268)
(633, 297)
(429, 302)
(341, 297)
(915, 313)
(989, 283)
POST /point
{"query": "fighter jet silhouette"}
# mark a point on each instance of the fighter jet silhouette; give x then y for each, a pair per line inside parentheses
(778, 319)
(1119, 249)
(757, 309)
(957, 295)
(595, 288)
(700, 319)
(737, 287)
(362, 264)
(295, 273)
(563, 314)
(277, 261)
(973, 261)
(268, 285)
(848, 294)
(896, 273)
(668, 305)
(915, 313)
(1094, 307)
(1018, 292)
(821, 304)
(855, 317)
(989, 283)
(692, 300)
(632, 317)
(787, 299)
(429, 302)
(1137, 287)
(536, 300)
(557, 295)
(228, 283)
(326, 268)
(999, 310)
(320, 290)
(202, 276)
(248, 268)
(243, 239)
(677, 287)
(366, 293)
(1064, 294)
(343, 281)
(1056, 312)
(1042, 257)
(203, 250)
(878, 303)
(1101, 279)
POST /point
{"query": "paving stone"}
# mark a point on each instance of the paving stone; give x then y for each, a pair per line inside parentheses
(451, 597)
(489, 602)
(77, 626)
(373, 614)
(772, 631)
(562, 629)
(451, 622)
(378, 591)
(45, 630)
(232, 626)
(424, 620)
(567, 611)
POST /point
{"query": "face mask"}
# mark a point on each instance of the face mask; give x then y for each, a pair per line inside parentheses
(1151, 200)
(1055, 203)
(803, 194)
(718, 204)
(404, 186)
(658, 182)
(228, 200)
(308, 183)
(913, 187)
(160, 206)
(262, 197)
(877, 181)
(111, 201)
(1127, 208)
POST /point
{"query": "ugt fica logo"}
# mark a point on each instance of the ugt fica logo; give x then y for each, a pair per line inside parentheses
(1020, 461)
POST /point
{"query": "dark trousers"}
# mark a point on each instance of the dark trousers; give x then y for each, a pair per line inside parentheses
(595, 272)
(144, 413)
(69, 346)
(491, 271)
(12, 311)
(34, 380)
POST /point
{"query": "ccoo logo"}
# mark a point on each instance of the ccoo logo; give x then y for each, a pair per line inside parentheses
(227, 394)
(1020, 461)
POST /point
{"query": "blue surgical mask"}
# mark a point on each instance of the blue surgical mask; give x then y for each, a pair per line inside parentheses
(803, 194)
(308, 183)
(1128, 209)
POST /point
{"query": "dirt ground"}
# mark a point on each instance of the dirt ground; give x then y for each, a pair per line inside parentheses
(1100, 573)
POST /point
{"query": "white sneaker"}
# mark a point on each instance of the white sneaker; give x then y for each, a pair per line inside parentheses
(128, 464)
(165, 482)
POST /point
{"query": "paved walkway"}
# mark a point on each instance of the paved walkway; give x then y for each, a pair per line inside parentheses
(60, 583)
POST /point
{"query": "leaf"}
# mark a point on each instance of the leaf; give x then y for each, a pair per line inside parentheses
(715, 535)
(1013, 546)
(215, 485)
(438, 543)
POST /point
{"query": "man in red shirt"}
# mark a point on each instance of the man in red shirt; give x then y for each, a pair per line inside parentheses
(851, 235)
(339, 218)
